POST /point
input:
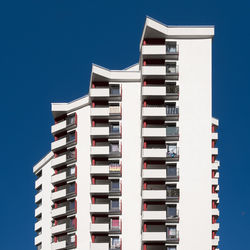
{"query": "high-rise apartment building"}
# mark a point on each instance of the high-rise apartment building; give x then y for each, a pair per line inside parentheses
(133, 163)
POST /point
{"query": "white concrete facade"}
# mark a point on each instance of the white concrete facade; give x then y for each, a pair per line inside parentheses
(133, 165)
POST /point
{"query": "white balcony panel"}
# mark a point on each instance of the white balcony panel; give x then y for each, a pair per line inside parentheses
(38, 239)
(215, 241)
(58, 177)
(58, 229)
(38, 197)
(154, 236)
(154, 132)
(217, 175)
(215, 197)
(99, 208)
(154, 215)
(214, 151)
(153, 111)
(58, 211)
(58, 160)
(58, 245)
(215, 136)
(216, 165)
(154, 194)
(154, 173)
(99, 131)
(215, 226)
(38, 225)
(58, 194)
(99, 169)
(100, 150)
(38, 211)
(99, 188)
(215, 181)
(215, 211)
(58, 144)
(154, 152)
(99, 246)
(99, 92)
(100, 111)
(154, 91)
(153, 49)
(99, 227)
(114, 110)
(154, 70)
(58, 127)
(38, 182)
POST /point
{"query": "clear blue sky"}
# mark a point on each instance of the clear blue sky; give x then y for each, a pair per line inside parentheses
(46, 51)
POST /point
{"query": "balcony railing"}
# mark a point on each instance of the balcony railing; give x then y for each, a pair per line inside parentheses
(172, 217)
(172, 153)
(172, 237)
(115, 169)
(172, 111)
(172, 89)
(172, 49)
(173, 194)
(71, 120)
(71, 155)
(172, 131)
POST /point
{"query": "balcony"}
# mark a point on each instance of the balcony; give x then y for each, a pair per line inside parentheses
(155, 195)
(215, 226)
(38, 225)
(65, 175)
(154, 215)
(38, 211)
(38, 182)
(215, 211)
(67, 141)
(172, 72)
(66, 191)
(99, 111)
(99, 188)
(64, 241)
(62, 209)
(99, 208)
(99, 227)
(154, 236)
(112, 170)
(170, 133)
(69, 123)
(169, 113)
(38, 197)
(99, 246)
(154, 174)
(64, 225)
(215, 241)
(154, 91)
(38, 239)
(154, 71)
(67, 158)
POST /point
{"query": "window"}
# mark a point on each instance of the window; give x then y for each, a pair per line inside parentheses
(171, 232)
(115, 243)
(171, 170)
(114, 147)
(72, 205)
(70, 119)
(115, 185)
(114, 204)
(71, 187)
(171, 211)
(171, 47)
(115, 90)
(72, 170)
(71, 136)
(171, 248)
(115, 128)
(115, 223)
